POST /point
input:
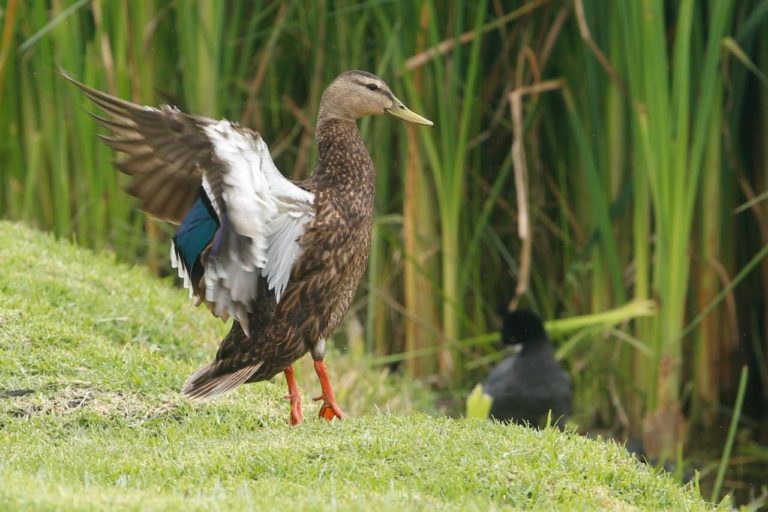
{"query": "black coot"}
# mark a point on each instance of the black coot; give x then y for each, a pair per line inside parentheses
(526, 386)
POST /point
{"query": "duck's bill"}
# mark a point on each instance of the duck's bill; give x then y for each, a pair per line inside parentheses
(400, 111)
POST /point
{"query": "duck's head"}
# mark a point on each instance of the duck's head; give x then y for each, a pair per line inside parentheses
(522, 326)
(356, 94)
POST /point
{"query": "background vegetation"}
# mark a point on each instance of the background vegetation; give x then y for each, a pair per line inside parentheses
(586, 156)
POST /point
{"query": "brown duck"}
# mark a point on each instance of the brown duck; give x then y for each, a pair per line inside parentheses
(282, 258)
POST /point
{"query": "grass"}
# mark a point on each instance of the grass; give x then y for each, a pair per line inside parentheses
(103, 349)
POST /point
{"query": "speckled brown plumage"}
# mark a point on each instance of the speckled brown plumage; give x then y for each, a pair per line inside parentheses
(284, 258)
(324, 280)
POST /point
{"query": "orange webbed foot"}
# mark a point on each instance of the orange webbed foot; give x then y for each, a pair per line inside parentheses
(329, 409)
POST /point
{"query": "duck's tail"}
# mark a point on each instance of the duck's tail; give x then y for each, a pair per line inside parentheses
(207, 382)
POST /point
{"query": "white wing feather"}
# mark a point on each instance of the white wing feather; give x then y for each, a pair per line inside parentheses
(263, 212)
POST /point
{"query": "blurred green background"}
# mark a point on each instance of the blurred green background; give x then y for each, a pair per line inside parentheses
(588, 156)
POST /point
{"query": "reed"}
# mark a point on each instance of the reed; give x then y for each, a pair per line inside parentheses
(638, 174)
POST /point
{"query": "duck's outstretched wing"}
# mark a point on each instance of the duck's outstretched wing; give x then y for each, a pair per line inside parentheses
(166, 151)
(240, 217)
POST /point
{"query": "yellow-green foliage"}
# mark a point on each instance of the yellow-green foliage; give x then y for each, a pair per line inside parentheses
(478, 403)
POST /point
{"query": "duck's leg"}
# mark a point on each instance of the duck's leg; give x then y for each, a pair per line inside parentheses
(293, 396)
(330, 409)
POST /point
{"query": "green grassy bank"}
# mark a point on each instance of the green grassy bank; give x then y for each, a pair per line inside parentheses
(97, 352)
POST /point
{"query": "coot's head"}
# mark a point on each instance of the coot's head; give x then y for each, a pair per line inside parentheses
(522, 326)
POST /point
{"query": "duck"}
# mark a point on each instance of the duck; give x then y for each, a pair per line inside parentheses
(282, 258)
(526, 386)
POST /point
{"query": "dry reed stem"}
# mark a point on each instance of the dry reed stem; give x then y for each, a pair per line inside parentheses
(448, 45)
(521, 182)
(105, 48)
(565, 208)
(5, 47)
(599, 55)
(613, 392)
(552, 35)
(255, 86)
(729, 344)
(298, 113)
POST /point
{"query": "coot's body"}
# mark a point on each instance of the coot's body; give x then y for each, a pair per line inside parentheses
(526, 386)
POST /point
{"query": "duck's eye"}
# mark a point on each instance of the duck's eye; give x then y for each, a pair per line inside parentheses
(372, 87)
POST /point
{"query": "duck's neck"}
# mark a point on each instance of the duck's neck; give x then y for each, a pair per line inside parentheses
(343, 161)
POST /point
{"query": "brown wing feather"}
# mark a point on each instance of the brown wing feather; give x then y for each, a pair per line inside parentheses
(165, 149)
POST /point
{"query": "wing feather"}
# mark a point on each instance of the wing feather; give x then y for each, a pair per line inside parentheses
(156, 141)
(264, 219)
(120, 128)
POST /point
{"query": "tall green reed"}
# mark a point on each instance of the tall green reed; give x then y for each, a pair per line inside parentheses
(672, 110)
